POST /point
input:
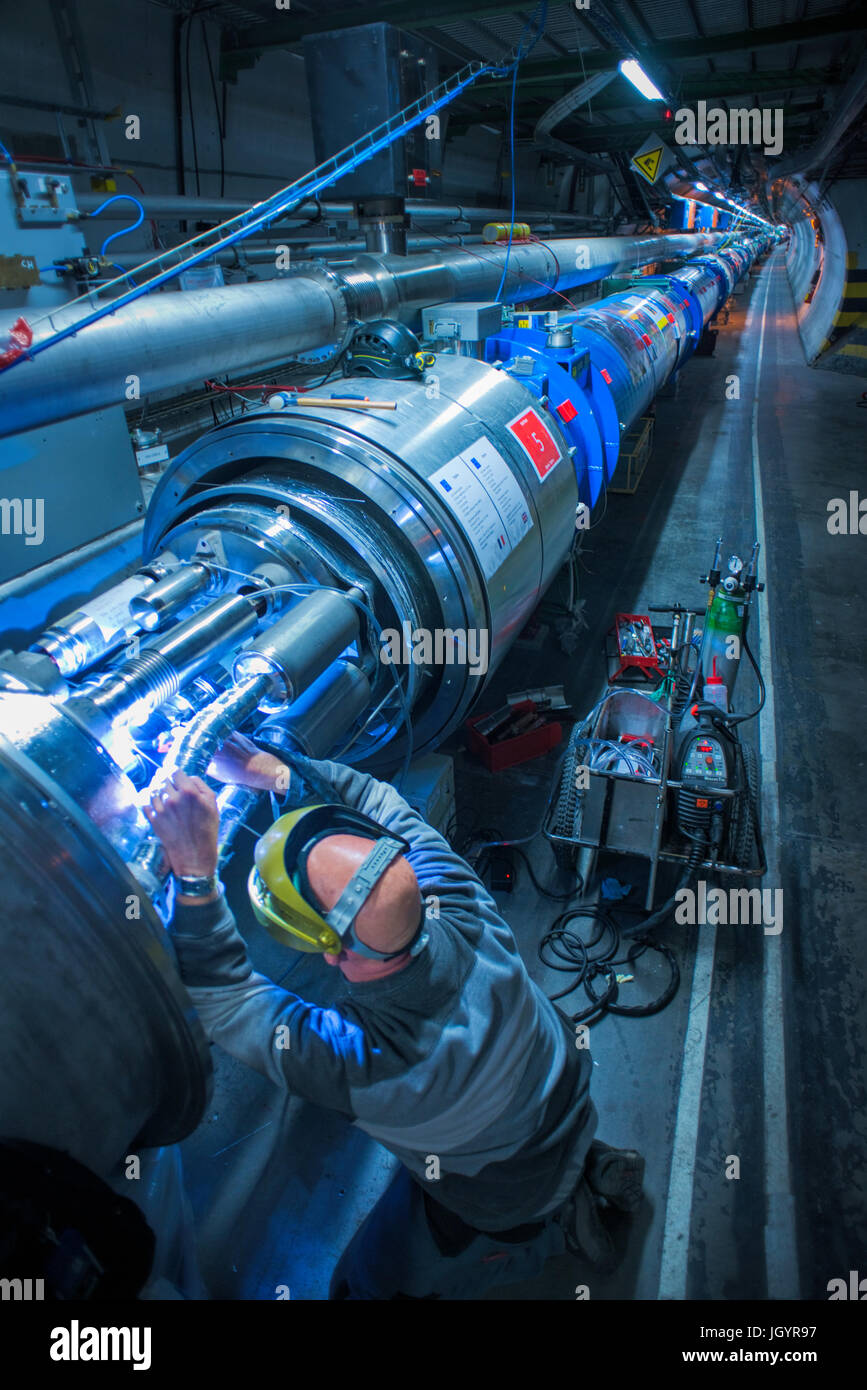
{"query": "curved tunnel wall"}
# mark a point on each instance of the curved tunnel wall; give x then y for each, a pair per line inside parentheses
(816, 263)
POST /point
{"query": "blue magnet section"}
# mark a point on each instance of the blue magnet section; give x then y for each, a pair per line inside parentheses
(690, 306)
(615, 354)
(574, 392)
(679, 219)
(720, 271)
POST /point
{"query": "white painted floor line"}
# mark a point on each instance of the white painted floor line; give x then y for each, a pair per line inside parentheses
(678, 1208)
(781, 1262)
(779, 1246)
(674, 1259)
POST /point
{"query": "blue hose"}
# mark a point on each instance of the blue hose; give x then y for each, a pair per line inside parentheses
(116, 198)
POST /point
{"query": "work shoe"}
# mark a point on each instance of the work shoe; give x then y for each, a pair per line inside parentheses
(583, 1228)
(615, 1174)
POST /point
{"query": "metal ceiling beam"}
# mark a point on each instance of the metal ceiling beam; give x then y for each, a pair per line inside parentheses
(672, 50)
(847, 110)
(406, 14)
(698, 87)
(720, 85)
(598, 138)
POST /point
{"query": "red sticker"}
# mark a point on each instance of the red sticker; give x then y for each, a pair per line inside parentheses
(536, 442)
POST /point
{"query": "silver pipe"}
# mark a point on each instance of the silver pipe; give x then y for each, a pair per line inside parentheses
(169, 595)
(174, 206)
(321, 716)
(209, 730)
(297, 649)
(167, 341)
(235, 805)
(254, 253)
(86, 635)
(144, 682)
(688, 625)
(171, 340)
(283, 660)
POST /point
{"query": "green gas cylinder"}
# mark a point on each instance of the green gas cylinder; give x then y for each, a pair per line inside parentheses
(723, 634)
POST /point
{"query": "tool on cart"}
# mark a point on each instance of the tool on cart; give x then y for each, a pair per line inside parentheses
(636, 647)
(663, 775)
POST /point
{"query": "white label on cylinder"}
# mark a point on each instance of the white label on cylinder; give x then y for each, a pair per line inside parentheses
(480, 489)
(156, 453)
(110, 611)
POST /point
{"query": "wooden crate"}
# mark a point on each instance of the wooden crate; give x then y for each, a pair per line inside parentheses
(635, 450)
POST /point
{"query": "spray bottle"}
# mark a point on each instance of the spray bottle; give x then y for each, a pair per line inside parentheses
(714, 690)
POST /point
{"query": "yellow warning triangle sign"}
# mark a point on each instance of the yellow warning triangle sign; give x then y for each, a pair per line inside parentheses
(648, 162)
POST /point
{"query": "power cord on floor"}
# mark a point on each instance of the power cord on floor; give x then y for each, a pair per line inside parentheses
(565, 950)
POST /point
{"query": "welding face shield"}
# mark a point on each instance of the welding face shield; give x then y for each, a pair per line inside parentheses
(285, 903)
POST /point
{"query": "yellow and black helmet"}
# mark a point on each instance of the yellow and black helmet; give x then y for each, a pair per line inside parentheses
(281, 895)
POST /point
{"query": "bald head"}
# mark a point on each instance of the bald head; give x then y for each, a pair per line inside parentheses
(389, 918)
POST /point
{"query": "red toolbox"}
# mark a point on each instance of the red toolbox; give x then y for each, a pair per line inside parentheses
(636, 648)
(520, 749)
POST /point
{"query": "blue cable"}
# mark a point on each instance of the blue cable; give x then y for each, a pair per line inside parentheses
(126, 273)
(514, 185)
(116, 198)
(536, 22)
(5, 153)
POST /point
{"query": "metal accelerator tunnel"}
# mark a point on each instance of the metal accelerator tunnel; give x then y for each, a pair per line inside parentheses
(279, 551)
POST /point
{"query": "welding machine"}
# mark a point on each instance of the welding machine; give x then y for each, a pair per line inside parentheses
(664, 775)
(705, 764)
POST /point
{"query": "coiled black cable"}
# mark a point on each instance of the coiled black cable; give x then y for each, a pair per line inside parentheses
(565, 950)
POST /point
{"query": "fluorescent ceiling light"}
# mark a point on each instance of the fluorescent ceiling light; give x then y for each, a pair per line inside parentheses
(702, 187)
(635, 74)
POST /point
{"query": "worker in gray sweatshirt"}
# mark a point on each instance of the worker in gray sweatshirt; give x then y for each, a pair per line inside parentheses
(440, 1047)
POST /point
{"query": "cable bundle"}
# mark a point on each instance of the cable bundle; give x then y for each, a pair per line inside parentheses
(565, 950)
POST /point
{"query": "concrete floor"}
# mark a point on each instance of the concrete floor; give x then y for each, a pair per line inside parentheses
(761, 1021)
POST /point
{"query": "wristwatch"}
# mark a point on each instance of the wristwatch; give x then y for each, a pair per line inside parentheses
(197, 887)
